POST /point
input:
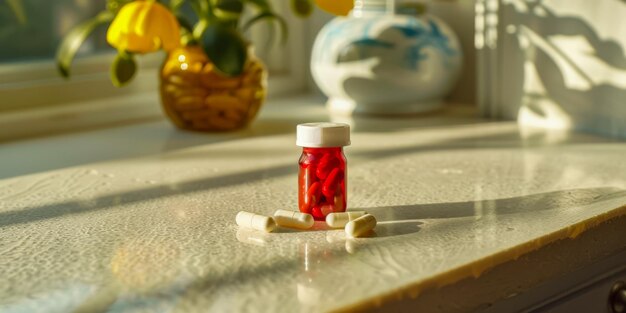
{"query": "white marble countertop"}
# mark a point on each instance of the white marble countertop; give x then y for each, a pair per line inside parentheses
(141, 217)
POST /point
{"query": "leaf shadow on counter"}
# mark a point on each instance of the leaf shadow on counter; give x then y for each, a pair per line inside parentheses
(404, 219)
(47, 211)
(408, 219)
(406, 228)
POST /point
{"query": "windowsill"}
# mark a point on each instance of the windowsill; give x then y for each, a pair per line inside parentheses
(120, 128)
(102, 113)
(108, 129)
(143, 213)
(78, 117)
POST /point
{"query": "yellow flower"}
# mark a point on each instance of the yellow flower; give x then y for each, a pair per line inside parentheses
(144, 26)
(337, 7)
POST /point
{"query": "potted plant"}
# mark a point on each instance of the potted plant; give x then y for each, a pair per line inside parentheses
(210, 79)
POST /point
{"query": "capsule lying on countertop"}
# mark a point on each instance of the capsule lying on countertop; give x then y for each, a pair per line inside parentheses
(340, 219)
(255, 221)
(293, 219)
(360, 226)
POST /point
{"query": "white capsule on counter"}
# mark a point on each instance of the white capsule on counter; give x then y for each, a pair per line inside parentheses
(339, 220)
(255, 221)
(293, 219)
(360, 226)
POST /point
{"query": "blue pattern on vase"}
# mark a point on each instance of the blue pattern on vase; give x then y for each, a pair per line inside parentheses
(434, 38)
(340, 28)
(385, 63)
(363, 47)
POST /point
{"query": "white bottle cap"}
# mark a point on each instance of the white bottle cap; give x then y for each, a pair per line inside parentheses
(318, 135)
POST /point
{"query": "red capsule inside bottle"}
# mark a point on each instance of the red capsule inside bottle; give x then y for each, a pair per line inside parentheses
(322, 181)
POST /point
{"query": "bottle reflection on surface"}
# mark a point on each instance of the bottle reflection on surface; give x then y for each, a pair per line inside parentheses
(311, 259)
(319, 259)
(316, 259)
(308, 294)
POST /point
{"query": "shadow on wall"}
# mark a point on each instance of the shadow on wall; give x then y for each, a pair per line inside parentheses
(559, 71)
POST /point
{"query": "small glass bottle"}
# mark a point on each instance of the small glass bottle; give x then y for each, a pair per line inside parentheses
(322, 176)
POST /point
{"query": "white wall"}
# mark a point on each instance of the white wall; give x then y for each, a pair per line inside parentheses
(559, 64)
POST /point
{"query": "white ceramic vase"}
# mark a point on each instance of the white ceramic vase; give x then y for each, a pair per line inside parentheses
(379, 62)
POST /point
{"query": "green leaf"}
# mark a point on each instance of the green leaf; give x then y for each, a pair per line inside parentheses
(123, 69)
(18, 9)
(228, 12)
(234, 7)
(262, 5)
(75, 38)
(114, 6)
(200, 27)
(203, 9)
(186, 30)
(176, 4)
(302, 8)
(226, 49)
(271, 16)
(184, 23)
